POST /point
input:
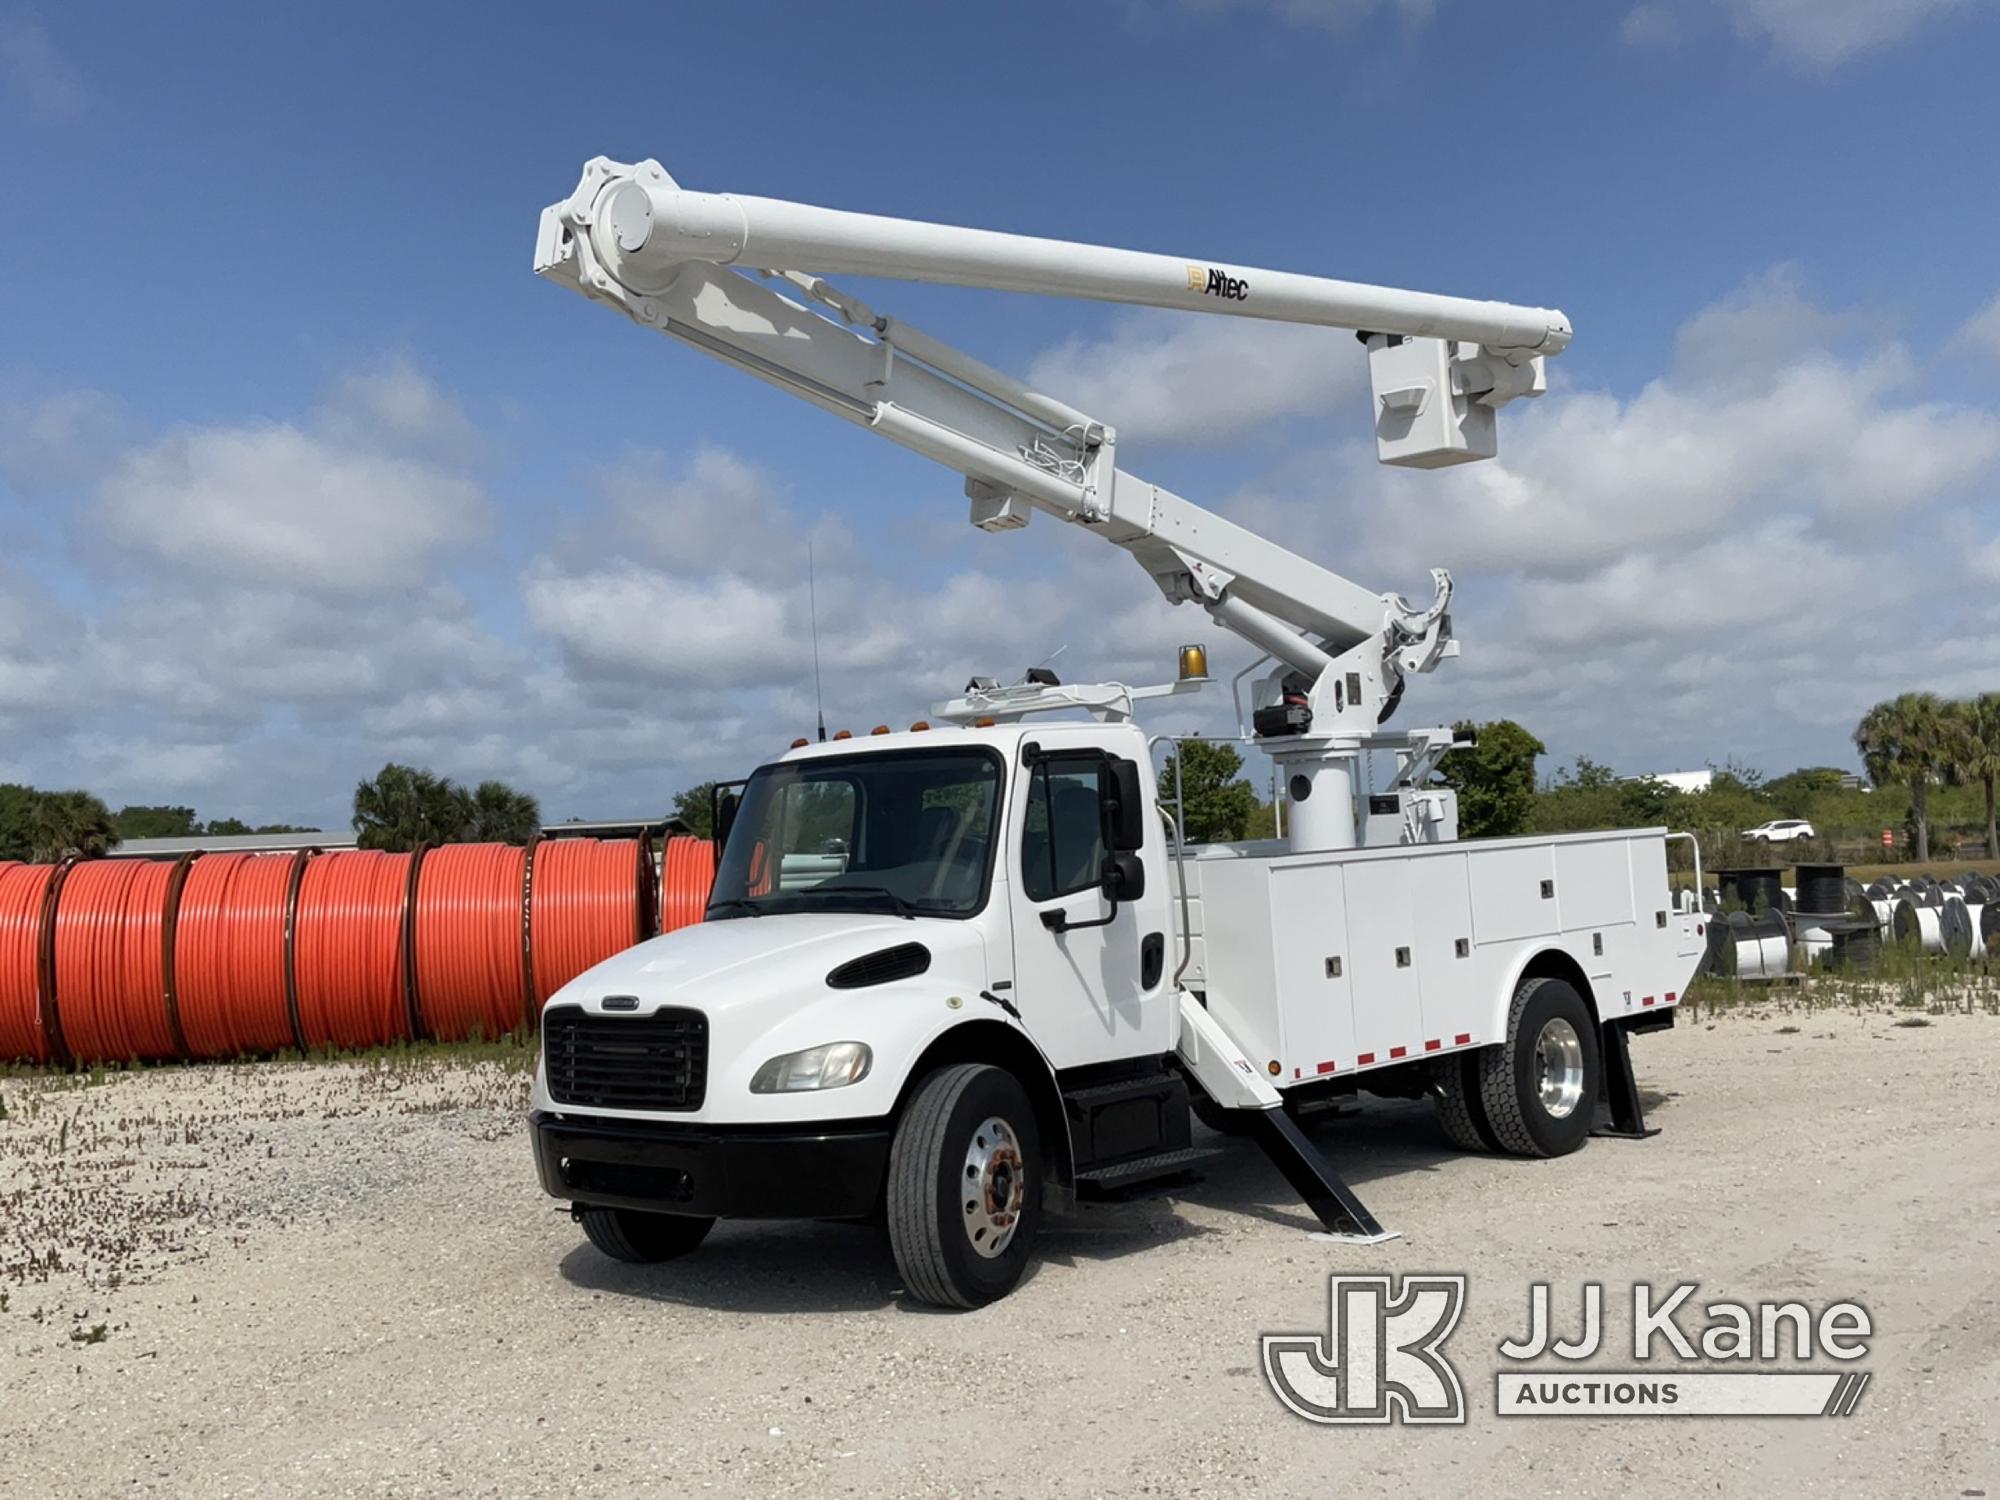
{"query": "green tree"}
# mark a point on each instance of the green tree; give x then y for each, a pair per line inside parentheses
(497, 814)
(1907, 739)
(1976, 753)
(137, 821)
(69, 823)
(1494, 779)
(403, 807)
(1216, 803)
(695, 807)
(17, 820)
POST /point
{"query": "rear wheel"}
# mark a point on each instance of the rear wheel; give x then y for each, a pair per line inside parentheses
(1539, 1087)
(965, 1186)
(628, 1234)
(1455, 1092)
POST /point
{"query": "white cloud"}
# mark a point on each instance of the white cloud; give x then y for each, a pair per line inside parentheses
(1158, 378)
(1980, 333)
(1814, 36)
(49, 442)
(32, 69)
(336, 502)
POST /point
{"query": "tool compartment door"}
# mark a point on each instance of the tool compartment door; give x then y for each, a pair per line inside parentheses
(1381, 896)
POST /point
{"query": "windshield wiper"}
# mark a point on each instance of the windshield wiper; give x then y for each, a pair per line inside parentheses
(903, 909)
(735, 903)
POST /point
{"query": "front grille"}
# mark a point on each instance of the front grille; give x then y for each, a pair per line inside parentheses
(657, 1062)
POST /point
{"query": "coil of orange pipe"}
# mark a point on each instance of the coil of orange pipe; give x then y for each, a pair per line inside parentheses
(347, 949)
(585, 905)
(229, 954)
(687, 871)
(24, 895)
(469, 979)
(111, 960)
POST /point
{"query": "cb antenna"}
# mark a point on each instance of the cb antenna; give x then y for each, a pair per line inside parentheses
(812, 595)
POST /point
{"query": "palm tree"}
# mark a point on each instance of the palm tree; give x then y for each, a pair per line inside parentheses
(67, 823)
(404, 807)
(1908, 739)
(1976, 753)
(497, 814)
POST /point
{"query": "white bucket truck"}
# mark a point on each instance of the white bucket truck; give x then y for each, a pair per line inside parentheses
(953, 973)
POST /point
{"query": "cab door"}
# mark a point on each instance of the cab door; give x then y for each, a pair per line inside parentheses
(1089, 972)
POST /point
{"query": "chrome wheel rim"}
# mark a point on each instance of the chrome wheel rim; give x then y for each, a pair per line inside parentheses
(1559, 1068)
(995, 1185)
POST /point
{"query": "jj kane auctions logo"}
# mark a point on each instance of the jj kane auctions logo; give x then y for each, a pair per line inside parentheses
(1208, 281)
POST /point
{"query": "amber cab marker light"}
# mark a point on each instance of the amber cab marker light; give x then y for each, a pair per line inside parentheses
(982, 723)
(919, 727)
(843, 734)
(880, 729)
(800, 743)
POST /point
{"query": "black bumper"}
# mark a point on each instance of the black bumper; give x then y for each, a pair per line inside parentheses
(835, 1171)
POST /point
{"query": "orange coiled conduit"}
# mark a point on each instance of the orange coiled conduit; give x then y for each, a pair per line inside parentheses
(585, 905)
(687, 871)
(24, 895)
(111, 960)
(347, 949)
(470, 980)
(229, 954)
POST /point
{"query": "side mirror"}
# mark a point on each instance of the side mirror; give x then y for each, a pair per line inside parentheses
(1124, 877)
(1125, 809)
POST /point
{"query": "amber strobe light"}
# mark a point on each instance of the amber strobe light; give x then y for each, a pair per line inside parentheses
(1194, 664)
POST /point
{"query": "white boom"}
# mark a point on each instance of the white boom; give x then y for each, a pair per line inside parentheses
(1441, 367)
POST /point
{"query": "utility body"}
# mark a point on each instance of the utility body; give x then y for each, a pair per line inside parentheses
(952, 973)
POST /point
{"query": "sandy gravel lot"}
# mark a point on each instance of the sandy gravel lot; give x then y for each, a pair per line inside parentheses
(342, 1280)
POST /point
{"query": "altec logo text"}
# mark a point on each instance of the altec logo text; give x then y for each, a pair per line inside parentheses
(1213, 283)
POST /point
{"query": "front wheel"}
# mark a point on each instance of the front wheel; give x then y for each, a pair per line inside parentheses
(639, 1238)
(1540, 1086)
(965, 1186)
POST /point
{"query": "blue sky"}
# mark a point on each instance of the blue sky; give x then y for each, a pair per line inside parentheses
(301, 469)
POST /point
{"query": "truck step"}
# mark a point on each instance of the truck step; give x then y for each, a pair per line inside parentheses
(1162, 1164)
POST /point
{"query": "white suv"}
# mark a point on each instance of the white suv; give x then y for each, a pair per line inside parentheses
(1781, 831)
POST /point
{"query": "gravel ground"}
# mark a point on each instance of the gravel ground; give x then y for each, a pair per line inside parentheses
(342, 1279)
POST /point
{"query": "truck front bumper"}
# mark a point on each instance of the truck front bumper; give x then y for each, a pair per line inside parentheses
(828, 1171)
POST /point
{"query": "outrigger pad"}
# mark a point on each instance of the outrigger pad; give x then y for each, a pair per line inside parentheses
(1312, 1177)
(1619, 1113)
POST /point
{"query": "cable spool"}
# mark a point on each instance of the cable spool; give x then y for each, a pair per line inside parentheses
(1955, 929)
(468, 940)
(583, 906)
(1822, 890)
(1881, 889)
(687, 873)
(25, 1031)
(1989, 928)
(1755, 890)
(1856, 949)
(1753, 947)
(1975, 914)
(111, 932)
(348, 937)
(1918, 925)
(229, 954)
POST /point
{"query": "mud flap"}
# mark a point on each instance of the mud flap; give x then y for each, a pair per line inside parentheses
(1619, 1113)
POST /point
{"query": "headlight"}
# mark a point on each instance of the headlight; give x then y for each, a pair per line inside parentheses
(833, 1066)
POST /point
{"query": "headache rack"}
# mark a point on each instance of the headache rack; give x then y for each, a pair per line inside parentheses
(639, 1062)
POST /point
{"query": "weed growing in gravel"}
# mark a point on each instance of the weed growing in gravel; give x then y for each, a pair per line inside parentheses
(98, 1333)
(1902, 978)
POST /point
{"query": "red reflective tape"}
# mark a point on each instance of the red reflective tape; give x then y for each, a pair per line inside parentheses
(1464, 1039)
(1649, 1000)
(1398, 1051)
(1296, 1073)
(1432, 1046)
(1670, 997)
(1327, 1067)
(1364, 1059)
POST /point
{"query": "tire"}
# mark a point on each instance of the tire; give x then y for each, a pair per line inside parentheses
(1231, 1122)
(947, 1141)
(1524, 1119)
(639, 1238)
(1455, 1092)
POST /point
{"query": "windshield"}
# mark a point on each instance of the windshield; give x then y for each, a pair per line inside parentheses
(908, 832)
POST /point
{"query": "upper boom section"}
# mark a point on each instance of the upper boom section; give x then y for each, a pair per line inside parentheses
(658, 227)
